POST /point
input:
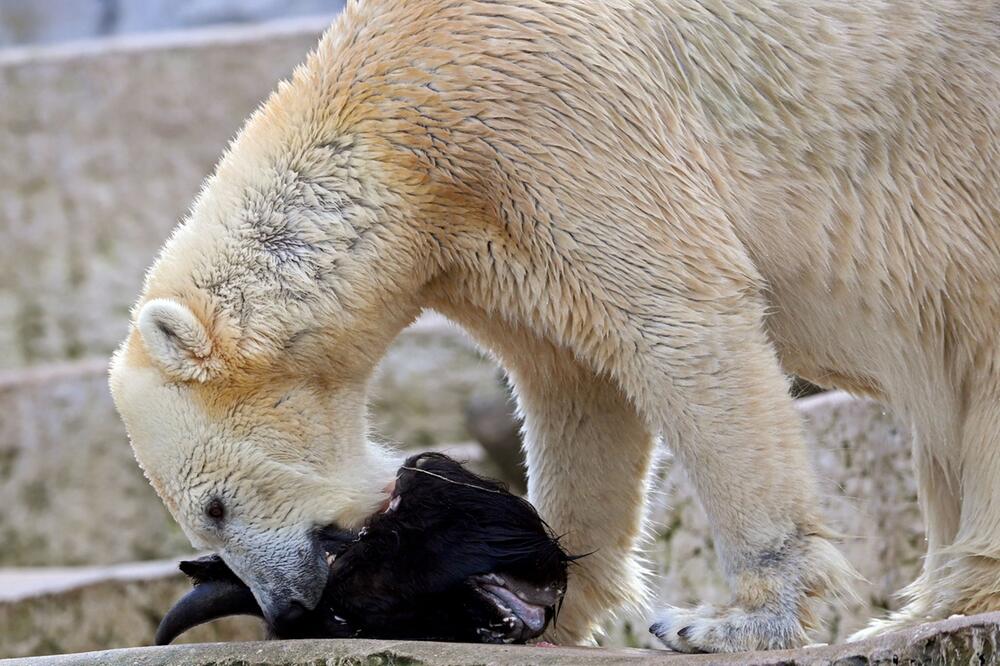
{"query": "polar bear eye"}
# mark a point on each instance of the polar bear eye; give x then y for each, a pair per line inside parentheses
(215, 509)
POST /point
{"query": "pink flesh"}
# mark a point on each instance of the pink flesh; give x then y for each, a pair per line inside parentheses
(533, 616)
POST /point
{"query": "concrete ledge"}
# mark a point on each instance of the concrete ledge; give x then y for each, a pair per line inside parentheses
(74, 610)
(38, 375)
(961, 640)
(19, 583)
(209, 36)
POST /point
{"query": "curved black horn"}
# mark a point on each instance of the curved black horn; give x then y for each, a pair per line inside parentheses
(208, 601)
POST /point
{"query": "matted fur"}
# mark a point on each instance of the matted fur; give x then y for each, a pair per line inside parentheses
(648, 210)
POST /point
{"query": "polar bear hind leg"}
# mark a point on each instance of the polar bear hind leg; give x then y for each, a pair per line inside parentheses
(960, 498)
(975, 570)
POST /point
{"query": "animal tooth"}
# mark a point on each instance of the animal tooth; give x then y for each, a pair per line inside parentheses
(330, 557)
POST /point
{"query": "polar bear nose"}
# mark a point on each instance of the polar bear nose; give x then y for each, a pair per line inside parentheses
(285, 616)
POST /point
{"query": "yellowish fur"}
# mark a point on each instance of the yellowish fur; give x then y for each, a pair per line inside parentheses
(648, 210)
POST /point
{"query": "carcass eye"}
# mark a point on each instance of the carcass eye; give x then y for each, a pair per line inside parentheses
(215, 509)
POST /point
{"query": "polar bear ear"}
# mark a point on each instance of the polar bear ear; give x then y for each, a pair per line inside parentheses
(176, 340)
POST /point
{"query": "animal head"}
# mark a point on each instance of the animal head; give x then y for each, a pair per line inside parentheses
(453, 557)
(250, 462)
(242, 382)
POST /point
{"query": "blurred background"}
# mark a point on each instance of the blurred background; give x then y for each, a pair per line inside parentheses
(111, 114)
(53, 21)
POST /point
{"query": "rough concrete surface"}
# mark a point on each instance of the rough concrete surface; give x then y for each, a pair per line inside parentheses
(110, 612)
(70, 489)
(105, 145)
(21, 583)
(972, 641)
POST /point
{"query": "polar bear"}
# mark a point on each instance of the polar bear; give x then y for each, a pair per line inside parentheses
(649, 210)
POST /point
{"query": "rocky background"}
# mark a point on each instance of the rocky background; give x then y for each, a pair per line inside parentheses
(104, 145)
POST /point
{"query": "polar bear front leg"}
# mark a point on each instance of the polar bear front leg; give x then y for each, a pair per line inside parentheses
(588, 456)
(713, 383)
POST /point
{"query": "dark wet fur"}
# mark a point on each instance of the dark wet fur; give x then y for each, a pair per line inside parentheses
(415, 572)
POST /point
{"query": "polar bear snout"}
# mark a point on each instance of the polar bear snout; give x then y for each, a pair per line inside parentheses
(285, 569)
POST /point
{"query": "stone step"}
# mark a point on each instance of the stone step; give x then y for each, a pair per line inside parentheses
(960, 640)
(52, 21)
(22, 583)
(73, 609)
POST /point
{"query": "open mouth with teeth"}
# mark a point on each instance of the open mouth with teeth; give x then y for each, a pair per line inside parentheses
(524, 608)
(453, 557)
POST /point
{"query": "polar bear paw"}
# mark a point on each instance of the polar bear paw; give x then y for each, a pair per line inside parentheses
(707, 629)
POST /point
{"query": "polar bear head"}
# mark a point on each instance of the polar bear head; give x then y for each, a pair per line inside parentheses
(242, 382)
(251, 463)
(255, 463)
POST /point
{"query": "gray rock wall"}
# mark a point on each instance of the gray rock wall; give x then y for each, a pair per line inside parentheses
(70, 489)
(104, 149)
